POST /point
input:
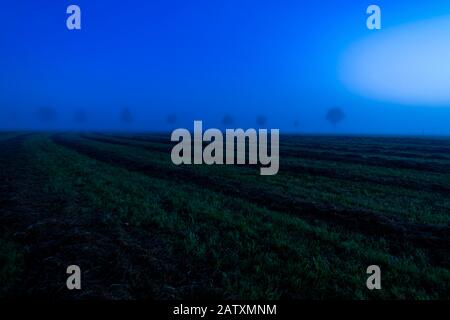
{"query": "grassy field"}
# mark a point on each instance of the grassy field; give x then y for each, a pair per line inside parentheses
(141, 227)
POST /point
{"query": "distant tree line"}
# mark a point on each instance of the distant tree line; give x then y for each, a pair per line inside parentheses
(48, 114)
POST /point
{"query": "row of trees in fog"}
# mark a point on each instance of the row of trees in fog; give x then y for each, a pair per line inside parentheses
(334, 116)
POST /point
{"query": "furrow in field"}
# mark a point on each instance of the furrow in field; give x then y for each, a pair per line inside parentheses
(342, 174)
(56, 233)
(397, 163)
(420, 154)
(438, 157)
(363, 221)
(384, 148)
(289, 165)
(123, 142)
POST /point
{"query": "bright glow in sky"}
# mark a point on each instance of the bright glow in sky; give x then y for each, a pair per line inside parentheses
(408, 64)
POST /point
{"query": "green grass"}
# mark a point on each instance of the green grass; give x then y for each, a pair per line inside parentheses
(226, 231)
(11, 266)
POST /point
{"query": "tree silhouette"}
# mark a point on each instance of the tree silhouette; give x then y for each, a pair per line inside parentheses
(80, 116)
(126, 116)
(335, 115)
(227, 120)
(9, 117)
(261, 120)
(171, 119)
(46, 114)
(14, 116)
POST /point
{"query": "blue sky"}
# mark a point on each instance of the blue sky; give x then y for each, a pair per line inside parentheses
(287, 60)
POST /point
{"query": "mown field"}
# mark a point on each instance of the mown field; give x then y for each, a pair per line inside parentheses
(141, 227)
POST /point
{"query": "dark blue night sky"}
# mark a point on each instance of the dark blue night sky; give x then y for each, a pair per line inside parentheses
(287, 60)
